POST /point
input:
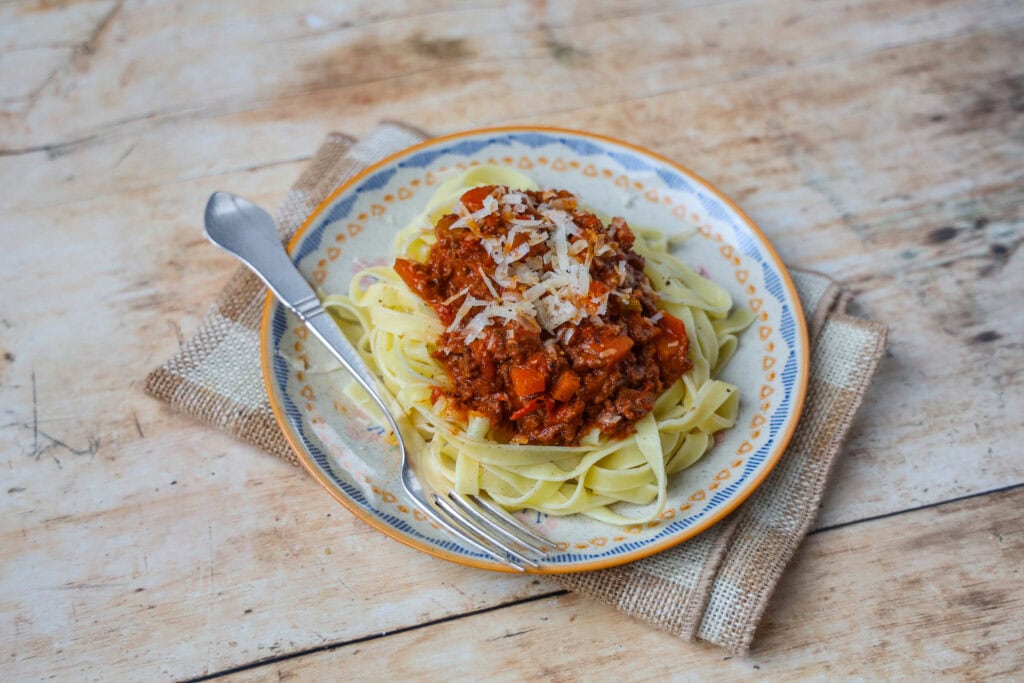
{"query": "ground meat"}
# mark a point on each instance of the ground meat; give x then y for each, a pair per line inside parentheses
(538, 381)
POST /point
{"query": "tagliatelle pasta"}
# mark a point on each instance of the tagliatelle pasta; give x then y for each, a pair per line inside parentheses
(596, 349)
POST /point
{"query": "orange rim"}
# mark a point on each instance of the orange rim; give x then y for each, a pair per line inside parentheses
(296, 443)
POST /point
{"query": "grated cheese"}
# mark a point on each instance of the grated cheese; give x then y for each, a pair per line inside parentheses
(472, 219)
(469, 304)
(560, 236)
(487, 281)
(456, 295)
(620, 268)
(550, 288)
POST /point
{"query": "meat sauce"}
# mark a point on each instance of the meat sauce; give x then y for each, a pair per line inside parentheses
(552, 325)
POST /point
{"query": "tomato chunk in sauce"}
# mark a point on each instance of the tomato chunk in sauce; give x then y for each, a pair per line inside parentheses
(552, 326)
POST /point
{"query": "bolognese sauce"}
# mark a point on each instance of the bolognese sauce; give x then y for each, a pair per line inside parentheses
(552, 327)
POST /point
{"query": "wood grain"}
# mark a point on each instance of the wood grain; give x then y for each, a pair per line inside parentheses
(300, 81)
(919, 610)
(881, 142)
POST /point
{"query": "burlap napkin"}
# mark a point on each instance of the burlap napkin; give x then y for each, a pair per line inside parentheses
(714, 587)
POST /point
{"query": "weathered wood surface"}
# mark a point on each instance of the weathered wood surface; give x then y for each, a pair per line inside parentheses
(904, 583)
(880, 142)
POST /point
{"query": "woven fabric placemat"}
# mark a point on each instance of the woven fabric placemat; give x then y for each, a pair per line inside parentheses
(713, 587)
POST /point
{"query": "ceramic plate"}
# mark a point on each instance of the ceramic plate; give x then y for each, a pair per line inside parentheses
(347, 451)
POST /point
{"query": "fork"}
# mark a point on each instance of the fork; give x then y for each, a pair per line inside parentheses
(248, 232)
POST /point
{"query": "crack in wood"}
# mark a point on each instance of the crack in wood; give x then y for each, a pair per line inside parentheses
(131, 148)
(91, 449)
(39, 449)
(80, 52)
(85, 51)
(327, 647)
(79, 57)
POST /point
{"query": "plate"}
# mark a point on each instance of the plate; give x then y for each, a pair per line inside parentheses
(348, 452)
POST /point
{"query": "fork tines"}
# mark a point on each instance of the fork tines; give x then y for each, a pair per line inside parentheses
(492, 530)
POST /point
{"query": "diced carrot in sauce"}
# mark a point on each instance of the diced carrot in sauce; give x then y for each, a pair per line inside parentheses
(527, 381)
(672, 324)
(614, 349)
(672, 353)
(673, 344)
(567, 385)
(474, 199)
(412, 274)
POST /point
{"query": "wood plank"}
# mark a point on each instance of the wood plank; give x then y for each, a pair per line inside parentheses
(144, 115)
(888, 599)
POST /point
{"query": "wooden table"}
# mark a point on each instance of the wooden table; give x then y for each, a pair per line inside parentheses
(880, 142)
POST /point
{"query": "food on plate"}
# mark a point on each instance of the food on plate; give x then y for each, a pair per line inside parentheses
(554, 360)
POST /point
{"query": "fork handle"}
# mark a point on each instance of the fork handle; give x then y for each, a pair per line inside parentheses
(312, 314)
(324, 328)
(249, 233)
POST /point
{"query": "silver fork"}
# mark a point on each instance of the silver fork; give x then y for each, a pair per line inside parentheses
(248, 232)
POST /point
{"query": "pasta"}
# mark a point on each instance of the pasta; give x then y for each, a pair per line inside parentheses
(601, 467)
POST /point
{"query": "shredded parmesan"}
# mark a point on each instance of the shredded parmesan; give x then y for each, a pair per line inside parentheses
(515, 199)
(525, 275)
(560, 236)
(620, 268)
(518, 253)
(502, 277)
(487, 281)
(456, 295)
(471, 219)
(549, 286)
(506, 311)
(469, 304)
